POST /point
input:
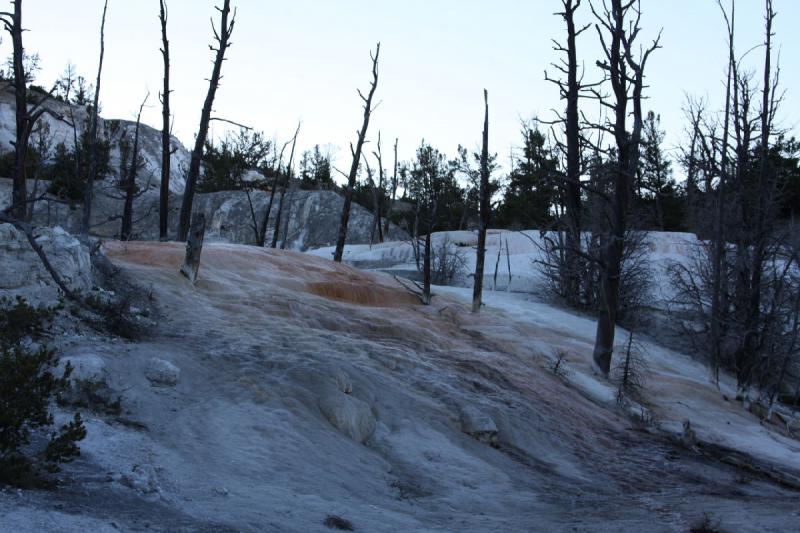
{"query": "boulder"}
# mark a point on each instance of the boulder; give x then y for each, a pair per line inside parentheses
(162, 373)
(85, 367)
(23, 274)
(142, 478)
(349, 415)
(88, 385)
(478, 424)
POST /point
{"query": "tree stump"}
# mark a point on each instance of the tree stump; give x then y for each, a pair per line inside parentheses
(194, 245)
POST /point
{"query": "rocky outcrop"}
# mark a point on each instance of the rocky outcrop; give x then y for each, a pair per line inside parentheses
(23, 273)
(59, 124)
(313, 216)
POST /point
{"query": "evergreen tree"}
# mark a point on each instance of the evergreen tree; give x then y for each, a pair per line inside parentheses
(315, 170)
(69, 169)
(658, 200)
(785, 160)
(30, 445)
(432, 185)
(225, 164)
(531, 191)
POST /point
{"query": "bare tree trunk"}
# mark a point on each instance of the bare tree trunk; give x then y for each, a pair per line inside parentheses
(166, 151)
(377, 195)
(477, 292)
(753, 336)
(223, 42)
(130, 187)
(426, 270)
(289, 173)
(356, 153)
(572, 197)
(394, 192)
(194, 246)
(19, 191)
(623, 73)
(497, 263)
(262, 234)
(289, 205)
(415, 236)
(373, 192)
(25, 117)
(91, 175)
(719, 238)
(277, 230)
(376, 215)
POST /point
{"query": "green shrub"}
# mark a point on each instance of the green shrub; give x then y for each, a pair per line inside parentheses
(19, 320)
(29, 447)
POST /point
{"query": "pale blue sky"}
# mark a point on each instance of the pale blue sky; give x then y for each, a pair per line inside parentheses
(303, 59)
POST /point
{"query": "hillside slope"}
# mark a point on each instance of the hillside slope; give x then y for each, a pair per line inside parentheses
(308, 389)
(313, 216)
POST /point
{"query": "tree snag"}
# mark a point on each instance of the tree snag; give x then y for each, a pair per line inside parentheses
(223, 42)
(194, 246)
(477, 292)
(25, 117)
(166, 151)
(276, 233)
(13, 24)
(719, 212)
(377, 195)
(393, 196)
(356, 153)
(91, 175)
(570, 252)
(617, 28)
(126, 230)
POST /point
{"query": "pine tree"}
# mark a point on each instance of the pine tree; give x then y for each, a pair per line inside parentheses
(657, 194)
(531, 191)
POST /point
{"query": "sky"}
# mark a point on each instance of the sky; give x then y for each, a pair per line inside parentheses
(302, 60)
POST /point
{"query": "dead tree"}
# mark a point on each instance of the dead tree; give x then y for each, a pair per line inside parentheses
(25, 116)
(426, 261)
(485, 211)
(756, 191)
(262, 232)
(42, 143)
(222, 38)
(393, 196)
(13, 24)
(719, 212)
(377, 195)
(166, 151)
(356, 153)
(288, 177)
(571, 90)
(126, 230)
(618, 28)
(91, 175)
(288, 218)
(194, 247)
